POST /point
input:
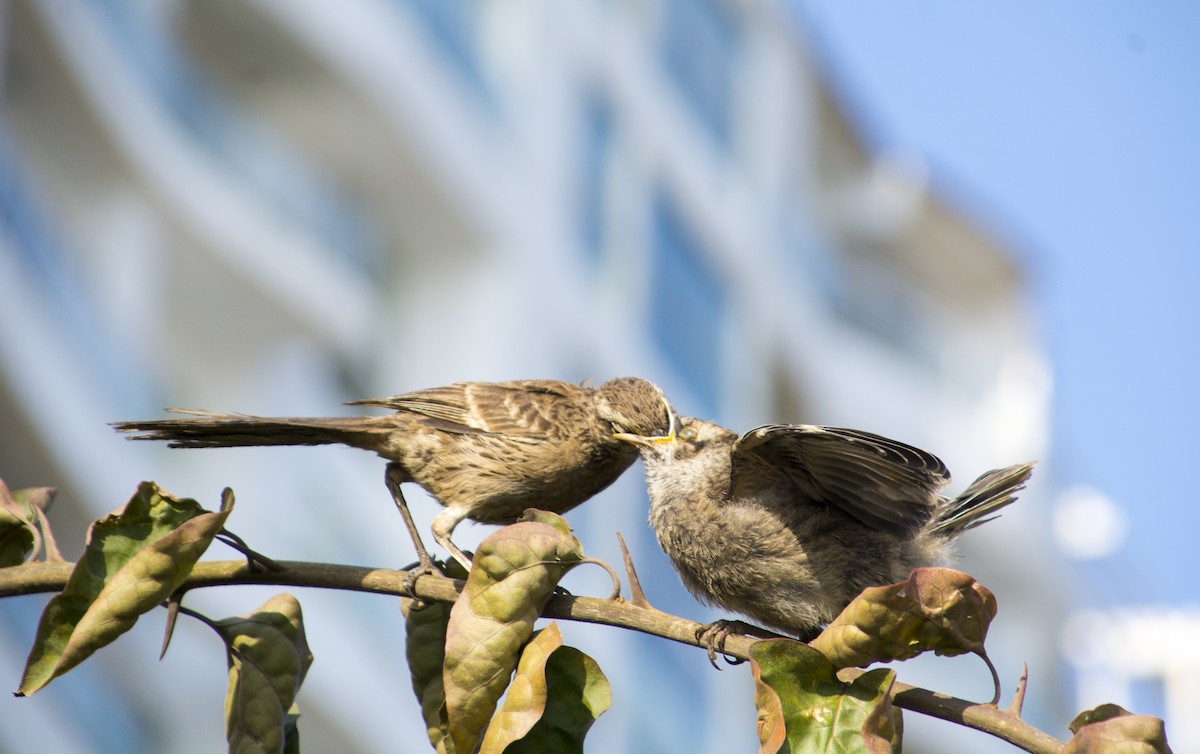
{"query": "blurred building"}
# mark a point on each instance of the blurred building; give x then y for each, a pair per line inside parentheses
(1143, 658)
(275, 206)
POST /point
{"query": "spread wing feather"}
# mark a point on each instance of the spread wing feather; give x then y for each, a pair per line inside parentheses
(885, 484)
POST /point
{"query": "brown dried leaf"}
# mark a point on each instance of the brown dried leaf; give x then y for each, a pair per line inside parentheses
(937, 609)
(772, 730)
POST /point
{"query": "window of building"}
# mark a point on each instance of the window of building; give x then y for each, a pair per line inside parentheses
(699, 50)
(597, 147)
(245, 147)
(451, 24)
(687, 305)
(877, 298)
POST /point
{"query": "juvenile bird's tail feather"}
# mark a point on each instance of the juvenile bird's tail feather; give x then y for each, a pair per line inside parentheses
(214, 430)
(986, 495)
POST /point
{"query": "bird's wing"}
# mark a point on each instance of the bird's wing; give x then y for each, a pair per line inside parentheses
(885, 484)
(532, 409)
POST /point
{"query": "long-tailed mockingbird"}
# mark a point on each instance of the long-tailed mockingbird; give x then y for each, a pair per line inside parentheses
(486, 451)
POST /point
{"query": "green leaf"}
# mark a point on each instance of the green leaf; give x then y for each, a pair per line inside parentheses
(20, 539)
(577, 693)
(549, 519)
(1110, 729)
(18, 535)
(34, 497)
(268, 659)
(555, 696)
(803, 706)
(133, 560)
(937, 609)
(425, 646)
(513, 574)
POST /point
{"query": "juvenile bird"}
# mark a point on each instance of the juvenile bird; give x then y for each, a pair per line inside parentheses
(787, 523)
(486, 451)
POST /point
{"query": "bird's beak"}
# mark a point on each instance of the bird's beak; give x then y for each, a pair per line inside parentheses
(645, 442)
(654, 440)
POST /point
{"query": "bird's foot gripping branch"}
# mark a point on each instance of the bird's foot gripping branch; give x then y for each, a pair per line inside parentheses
(472, 643)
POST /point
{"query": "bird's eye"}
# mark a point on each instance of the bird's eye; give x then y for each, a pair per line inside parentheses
(688, 433)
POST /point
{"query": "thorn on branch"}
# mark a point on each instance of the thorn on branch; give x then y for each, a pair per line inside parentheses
(174, 603)
(637, 596)
(1018, 701)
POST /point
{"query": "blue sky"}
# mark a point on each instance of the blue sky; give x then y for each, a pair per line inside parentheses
(1073, 129)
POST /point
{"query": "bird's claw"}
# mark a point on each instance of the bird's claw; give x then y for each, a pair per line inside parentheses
(712, 637)
(426, 566)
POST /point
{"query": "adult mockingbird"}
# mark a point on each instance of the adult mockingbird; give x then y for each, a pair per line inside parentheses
(486, 451)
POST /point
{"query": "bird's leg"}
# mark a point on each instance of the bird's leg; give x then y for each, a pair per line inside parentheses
(394, 476)
(443, 526)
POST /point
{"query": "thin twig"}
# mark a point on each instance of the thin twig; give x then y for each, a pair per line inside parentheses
(203, 619)
(256, 560)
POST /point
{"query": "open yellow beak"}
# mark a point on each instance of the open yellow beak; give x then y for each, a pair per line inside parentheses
(653, 440)
(648, 442)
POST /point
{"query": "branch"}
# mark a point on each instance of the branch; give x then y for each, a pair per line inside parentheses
(43, 577)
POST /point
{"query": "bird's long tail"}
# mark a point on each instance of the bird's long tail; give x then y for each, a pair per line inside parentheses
(213, 430)
(980, 501)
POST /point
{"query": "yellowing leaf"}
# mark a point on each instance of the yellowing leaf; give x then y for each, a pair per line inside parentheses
(513, 574)
(133, 560)
(555, 696)
(937, 609)
(268, 659)
(1109, 729)
(526, 700)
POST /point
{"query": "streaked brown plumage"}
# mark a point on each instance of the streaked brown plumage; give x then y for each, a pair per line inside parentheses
(486, 451)
(787, 523)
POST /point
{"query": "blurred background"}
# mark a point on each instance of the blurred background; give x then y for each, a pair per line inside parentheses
(972, 229)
